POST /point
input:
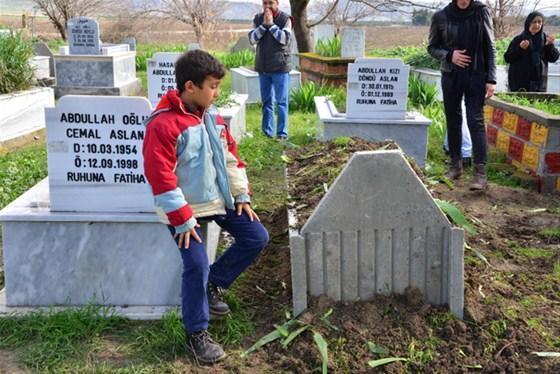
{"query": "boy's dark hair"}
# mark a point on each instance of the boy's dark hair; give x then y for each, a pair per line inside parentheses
(195, 66)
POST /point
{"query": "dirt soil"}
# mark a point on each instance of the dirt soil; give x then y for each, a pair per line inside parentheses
(310, 173)
(512, 299)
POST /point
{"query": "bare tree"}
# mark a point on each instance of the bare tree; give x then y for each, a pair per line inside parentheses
(202, 15)
(60, 11)
(506, 11)
(342, 13)
(302, 26)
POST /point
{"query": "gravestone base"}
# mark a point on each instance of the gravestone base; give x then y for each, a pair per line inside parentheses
(411, 133)
(72, 259)
(113, 75)
(246, 81)
(131, 88)
(23, 112)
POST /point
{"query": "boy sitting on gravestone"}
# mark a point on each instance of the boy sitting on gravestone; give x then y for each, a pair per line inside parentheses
(191, 163)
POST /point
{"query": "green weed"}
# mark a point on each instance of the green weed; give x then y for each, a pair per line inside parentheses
(47, 339)
(16, 74)
(534, 253)
(329, 47)
(550, 233)
(547, 106)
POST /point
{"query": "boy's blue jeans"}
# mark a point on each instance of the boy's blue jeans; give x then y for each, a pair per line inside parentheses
(250, 240)
(274, 85)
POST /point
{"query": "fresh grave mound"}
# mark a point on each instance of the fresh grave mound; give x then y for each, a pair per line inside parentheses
(313, 168)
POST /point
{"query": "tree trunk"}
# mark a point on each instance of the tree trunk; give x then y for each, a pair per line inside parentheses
(301, 29)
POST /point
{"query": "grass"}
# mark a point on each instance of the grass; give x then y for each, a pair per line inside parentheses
(21, 170)
(550, 233)
(547, 106)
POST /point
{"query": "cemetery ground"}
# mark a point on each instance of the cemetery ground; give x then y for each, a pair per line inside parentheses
(512, 287)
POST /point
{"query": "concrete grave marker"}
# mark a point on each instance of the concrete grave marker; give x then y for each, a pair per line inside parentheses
(193, 46)
(377, 89)
(94, 148)
(42, 49)
(131, 41)
(377, 231)
(161, 75)
(83, 36)
(353, 42)
(323, 32)
(242, 44)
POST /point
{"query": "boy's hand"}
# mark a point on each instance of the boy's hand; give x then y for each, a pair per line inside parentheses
(246, 207)
(185, 237)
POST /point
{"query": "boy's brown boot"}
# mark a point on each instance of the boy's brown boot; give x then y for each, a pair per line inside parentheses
(480, 181)
(455, 169)
(204, 348)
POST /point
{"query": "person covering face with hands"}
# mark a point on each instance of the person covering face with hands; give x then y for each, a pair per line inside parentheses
(271, 33)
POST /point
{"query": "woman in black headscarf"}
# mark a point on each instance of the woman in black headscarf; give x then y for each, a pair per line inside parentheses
(528, 56)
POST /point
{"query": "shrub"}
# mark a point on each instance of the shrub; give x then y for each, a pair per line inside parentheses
(329, 47)
(302, 98)
(421, 93)
(411, 55)
(16, 73)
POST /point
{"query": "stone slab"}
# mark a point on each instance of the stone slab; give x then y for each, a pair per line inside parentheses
(94, 149)
(161, 75)
(246, 81)
(114, 49)
(42, 49)
(377, 88)
(378, 231)
(235, 116)
(322, 31)
(131, 88)
(22, 112)
(95, 71)
(353, 41)
(120, 259)
(83, 36)
(410, 133)
(41, 66)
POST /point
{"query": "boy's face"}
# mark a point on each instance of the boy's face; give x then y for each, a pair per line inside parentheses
(204, 96)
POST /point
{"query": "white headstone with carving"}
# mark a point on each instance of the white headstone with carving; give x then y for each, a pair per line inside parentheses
(94, 148)
(161, 75)
(83, 36)
(353, 42)
(377, 89)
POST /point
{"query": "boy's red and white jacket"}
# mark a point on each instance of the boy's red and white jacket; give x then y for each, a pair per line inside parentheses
(191, 163)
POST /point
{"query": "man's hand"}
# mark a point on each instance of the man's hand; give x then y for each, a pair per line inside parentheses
(490, 89)
(268, 19)
(460, 58)
(524, 44)
(246, 207)
(185, 237)
(549, 40)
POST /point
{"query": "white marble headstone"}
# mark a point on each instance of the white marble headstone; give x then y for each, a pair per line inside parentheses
(83, 36)
(377, 88)
(193, 46)
(323, 31)
(94, 152)
(353, 42)
(161, 75)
